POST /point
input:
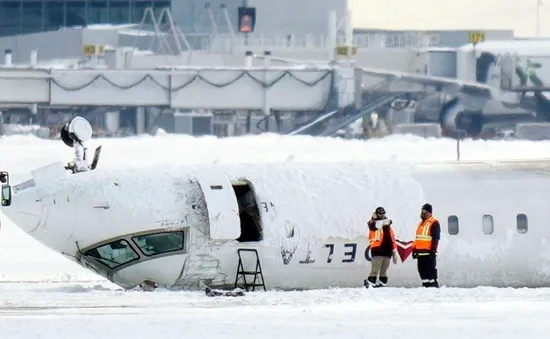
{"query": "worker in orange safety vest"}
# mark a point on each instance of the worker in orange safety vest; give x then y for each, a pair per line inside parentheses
(382, 246)
(425, 246)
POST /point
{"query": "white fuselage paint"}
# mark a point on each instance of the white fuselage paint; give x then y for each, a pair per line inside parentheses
(303, 208)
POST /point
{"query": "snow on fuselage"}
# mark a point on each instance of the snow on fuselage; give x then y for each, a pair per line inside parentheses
(177, 226)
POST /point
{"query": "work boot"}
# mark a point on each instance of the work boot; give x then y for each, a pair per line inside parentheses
(382, 281)
(431, 284)
(370, 281)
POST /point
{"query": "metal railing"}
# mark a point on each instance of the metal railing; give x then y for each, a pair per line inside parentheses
(174, 41)
(225, 43)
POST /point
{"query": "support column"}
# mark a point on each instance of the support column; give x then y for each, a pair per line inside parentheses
(349, 35)
(267, 64)
(34, 58)
(140, 120)
(112, 122)
(8, 58)
(358, 88)
(248, 59)
(331, 42)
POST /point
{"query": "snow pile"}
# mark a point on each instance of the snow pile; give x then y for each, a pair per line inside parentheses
(318, 201)
(36, 130)
(183, 150)
(145, 191)
(25, 259)
(149, 151)
(109, 26)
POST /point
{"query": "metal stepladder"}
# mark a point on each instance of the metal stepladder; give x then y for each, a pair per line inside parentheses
(241, 273)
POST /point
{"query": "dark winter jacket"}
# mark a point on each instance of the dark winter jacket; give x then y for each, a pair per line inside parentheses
(386, 249)
(435, 233)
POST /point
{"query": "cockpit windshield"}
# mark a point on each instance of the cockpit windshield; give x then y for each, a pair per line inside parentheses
(157, 243)
(114, 254)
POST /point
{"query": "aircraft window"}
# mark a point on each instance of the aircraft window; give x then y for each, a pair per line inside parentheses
(521, 221)
(114, 254)
(452, 224)
(487, 224)
(158, 243)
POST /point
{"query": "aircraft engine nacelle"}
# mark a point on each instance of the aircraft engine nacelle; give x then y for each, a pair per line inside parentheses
(456, 119)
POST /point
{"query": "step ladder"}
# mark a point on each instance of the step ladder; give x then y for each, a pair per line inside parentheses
(241, 273)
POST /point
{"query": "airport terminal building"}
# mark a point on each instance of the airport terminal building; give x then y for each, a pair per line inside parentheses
(60, 33)
(31, 16)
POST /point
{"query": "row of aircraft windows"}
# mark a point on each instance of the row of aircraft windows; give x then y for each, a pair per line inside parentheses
(487, 224)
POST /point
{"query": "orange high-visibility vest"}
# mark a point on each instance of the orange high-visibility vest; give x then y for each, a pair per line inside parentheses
(376, 237)
(423, 240)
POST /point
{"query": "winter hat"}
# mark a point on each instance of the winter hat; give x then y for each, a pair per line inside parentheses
(427, 207)
(380, 210)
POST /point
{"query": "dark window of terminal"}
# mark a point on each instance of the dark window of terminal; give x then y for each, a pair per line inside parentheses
(54, 15)
(10, 17)
(119, 12)
(98, 12)
(76, 13)
(138, 8)
(31, 16)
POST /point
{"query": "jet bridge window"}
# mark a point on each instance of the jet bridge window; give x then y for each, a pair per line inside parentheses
(452, 224)
(157, 243)
(114, 254)
(521, 222)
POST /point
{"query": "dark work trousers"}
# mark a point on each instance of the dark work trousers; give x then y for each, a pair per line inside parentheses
(427, 269)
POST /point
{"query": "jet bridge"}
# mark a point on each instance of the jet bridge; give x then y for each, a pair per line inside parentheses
(294, 88)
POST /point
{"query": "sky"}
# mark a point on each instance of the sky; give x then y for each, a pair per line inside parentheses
(521, 16)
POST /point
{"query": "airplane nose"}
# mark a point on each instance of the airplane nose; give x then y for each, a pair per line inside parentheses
(25, 210)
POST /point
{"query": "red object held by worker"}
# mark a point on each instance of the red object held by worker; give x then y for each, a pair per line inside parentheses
(404, 249)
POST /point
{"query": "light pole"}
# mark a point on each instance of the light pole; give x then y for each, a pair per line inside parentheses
(539, 5)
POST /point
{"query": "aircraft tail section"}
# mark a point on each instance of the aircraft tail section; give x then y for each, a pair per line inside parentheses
(490, 70)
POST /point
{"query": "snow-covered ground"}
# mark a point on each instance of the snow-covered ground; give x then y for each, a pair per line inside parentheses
(46, 308)
(85, 311)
